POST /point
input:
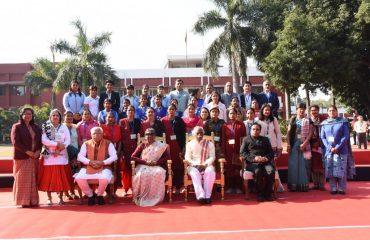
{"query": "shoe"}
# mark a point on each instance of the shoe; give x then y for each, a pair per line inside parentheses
(49, 202)
(91, 200)
(341, 192)
(260, 199)
(100, 200)
(333, 192)
(238, 191)
(208, 200)
(201, 200)
(269, 198)
(61, 202)
(229, 191)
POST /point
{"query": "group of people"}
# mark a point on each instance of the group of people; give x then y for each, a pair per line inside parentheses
(96, 138)
(360, 130)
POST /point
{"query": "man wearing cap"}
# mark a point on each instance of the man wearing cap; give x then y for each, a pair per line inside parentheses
(134, 100)
(165, 99)
(181, 96)
(109, 94)
(200, 154)
(96, 155)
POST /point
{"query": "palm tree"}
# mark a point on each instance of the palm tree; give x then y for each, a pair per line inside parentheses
(235, 42)
(87, 62)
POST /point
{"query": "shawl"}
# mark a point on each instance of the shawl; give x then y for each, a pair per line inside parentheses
(305, 130)
(154, 151)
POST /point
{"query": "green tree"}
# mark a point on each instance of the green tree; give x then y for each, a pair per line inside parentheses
(87, 62)
(234, 42)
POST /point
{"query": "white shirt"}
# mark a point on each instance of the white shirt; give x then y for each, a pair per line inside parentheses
(273, 133)
(194, 150)
(93, 105)
(64, 138)
(360, 127)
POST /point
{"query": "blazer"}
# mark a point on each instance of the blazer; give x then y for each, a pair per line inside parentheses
(22, 140)
(242, 100)
(273, 100)
(114, 98)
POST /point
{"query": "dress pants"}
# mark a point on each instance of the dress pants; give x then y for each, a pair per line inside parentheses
(209, 177)
(82, 183)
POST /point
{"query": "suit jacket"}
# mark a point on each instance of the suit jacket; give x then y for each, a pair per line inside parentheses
(22, 140)
(242, 100)
(114, 98)
(273, 100)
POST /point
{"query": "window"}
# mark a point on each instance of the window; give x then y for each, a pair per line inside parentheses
(18, 90)
(2, 91)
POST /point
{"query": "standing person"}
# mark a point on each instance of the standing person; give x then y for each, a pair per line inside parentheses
(299, 149)
(123, 113)
(208, 95)
(194, 101)
(216, 102)
(204, 116)
(338, 159)
(360, 128)
(141, 109)
(318, 178)
(145, 92)
(149, 181)
(235, 104)
(268, 96)
(107, 109)
(258, 155)
(251, 119)
(200, 154)
(111, 95)
(165, 100)
(134, 100)
(130, 127)
(55, 173)
(92, 101)
(84, 127)
(152, 122)
(354, 115)
(73, 101)
(181, 96)
(215, 125)
(191, 120)
(232, 133)
(26, 139)
(247, 96)
(175, 136)
(197, 93)
(159, 109)
(255, 106)
(228, 95)
(112, 133)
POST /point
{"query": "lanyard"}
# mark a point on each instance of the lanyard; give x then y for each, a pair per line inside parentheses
(231, 127)
(132, 126)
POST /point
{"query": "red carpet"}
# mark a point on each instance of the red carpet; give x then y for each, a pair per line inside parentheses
(312, 215)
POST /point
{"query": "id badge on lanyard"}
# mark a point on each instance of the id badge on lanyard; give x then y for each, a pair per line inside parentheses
(132, 136)
(173, 137)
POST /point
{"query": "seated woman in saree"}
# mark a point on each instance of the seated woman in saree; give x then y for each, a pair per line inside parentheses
(148, 184)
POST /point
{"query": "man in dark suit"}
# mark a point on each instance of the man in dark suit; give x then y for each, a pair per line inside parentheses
(247, 96)
(267, 96)
(110, 94)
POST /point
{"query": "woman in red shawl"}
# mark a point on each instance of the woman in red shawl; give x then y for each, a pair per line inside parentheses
(191, 120)
(232, 133)
(130, 127)
(152, 122)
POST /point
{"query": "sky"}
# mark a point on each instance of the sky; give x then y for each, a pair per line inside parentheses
(144, 32)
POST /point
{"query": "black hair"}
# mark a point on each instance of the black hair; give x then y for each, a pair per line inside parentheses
(262, 117)
(23, 111)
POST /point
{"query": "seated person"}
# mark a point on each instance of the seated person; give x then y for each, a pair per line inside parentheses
(258, 155)
(97, 155)
(200, 154)
(148, 183)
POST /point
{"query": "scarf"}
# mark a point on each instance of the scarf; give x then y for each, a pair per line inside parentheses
(305, 130)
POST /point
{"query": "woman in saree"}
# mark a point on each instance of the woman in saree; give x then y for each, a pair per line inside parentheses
(152, 122)
(190, 120)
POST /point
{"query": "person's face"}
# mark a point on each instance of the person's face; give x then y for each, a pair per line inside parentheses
(68, 118)
(150, 138)
(93, 93)
(314, 112)
(266, 86)
(204, 114)
(174, 102)
(254, 104)
(55, 119)
(126, 104)
(300, 112)
(143, 101)
(150, 114)
(215, 98)
(250, 115)
(27, 116)
(266, 111)
(110, 119)
(107, 105)
(161, 91)
(109, 87)
(332, 112)
(194, 101)
(199, 135)
(232, 115)
(255, 131)
(191, 110)
(178, 85)
(145, 90)
(171, 111)
(247, 88)
(158, 102)
(97, 135)
(214, 114)
(130, 113)
(86, 116)
(130, 91)
(229, 88)
(199, 94)
(209, 89)
(74, 87)
(234, 103)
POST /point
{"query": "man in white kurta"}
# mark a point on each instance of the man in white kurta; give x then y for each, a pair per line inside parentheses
(200, 154)
(104, 176)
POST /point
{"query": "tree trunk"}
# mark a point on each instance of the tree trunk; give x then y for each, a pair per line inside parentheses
(332, 97)
(288, 111)
(235, 76)
(308, 101)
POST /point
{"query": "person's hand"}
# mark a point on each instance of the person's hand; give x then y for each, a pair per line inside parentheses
(36, 155)
(56, 153)
(29, 153)
(302, 147)
(334, 150)
(61, 146)
(288, 149)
